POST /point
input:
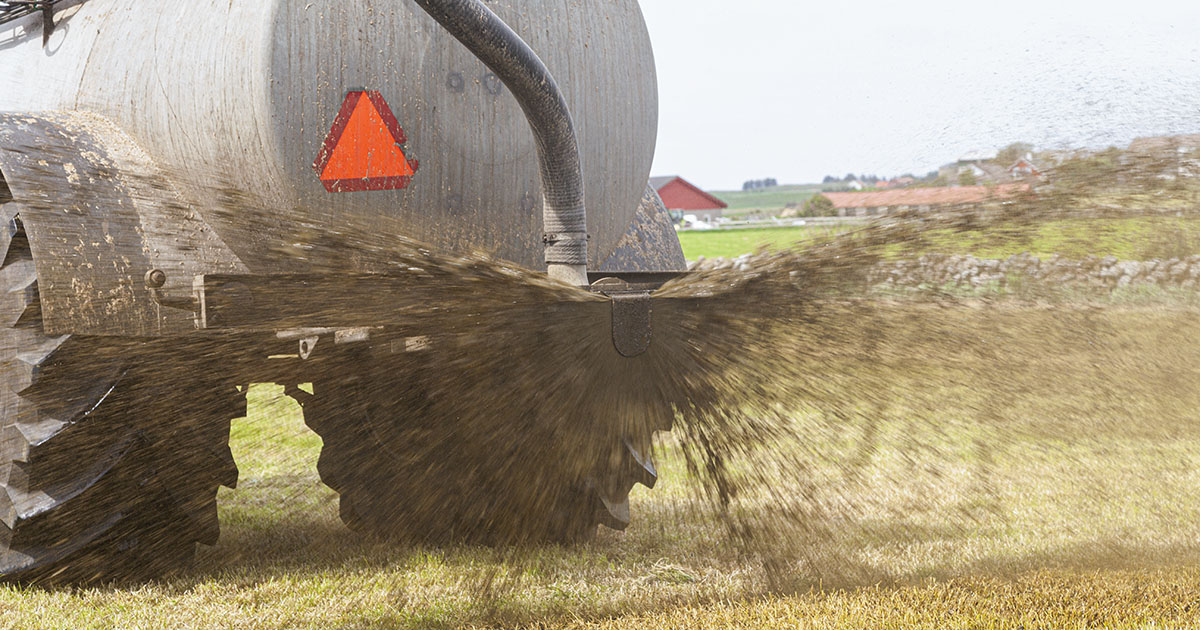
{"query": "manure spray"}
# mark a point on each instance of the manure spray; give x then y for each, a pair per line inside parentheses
(834, 428)
(839, 430)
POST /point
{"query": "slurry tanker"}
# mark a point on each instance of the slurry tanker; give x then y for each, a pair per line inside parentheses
(179, 187)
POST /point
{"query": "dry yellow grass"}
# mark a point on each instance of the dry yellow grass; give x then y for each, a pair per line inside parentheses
(1044, 599)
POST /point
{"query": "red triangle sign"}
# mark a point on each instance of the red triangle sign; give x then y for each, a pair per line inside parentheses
(363, 149)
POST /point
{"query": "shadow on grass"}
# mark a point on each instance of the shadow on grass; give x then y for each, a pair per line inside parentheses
(311, 542)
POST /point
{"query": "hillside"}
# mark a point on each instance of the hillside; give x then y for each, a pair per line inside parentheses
(773, 199)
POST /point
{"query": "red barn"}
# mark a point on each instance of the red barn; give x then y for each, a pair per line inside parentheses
(683, 198)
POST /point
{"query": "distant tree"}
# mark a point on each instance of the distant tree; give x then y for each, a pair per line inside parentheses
(1082, 175)
(1011, 153)
(819, 206)
(938, 181)
(759, 184)
(849, 177)
(830, 179)
(967, 178)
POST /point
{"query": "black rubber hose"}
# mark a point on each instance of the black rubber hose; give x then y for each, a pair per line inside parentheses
(523, 73)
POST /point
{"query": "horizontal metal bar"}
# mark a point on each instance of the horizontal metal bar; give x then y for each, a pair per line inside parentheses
(639, 278)
(401, 303)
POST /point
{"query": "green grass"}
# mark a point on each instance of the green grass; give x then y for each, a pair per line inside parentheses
(1131, 238)
(772, 199)
(733, 243)
(1093, 527)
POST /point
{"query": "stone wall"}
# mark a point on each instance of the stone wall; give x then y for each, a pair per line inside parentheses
(970, 272)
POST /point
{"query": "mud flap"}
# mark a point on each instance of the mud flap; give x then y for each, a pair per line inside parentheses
(99, 214)
(650, 243)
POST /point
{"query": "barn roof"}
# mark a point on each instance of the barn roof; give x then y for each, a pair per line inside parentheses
(658, 183)
(1027, 163)
(943, 196)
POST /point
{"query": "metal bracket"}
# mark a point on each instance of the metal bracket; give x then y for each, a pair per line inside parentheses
(47, 22)
(351, 306)
(13, 9)
(631, 323)
(308, 337)
(631, 331)
(155, 280)
(307, 345)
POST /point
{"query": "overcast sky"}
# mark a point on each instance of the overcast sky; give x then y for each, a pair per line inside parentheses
(796, 90)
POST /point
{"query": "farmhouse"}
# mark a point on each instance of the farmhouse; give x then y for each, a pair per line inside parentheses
(978, 164)
(682, 198)
(1024, 168)
(862, 204)
(899, 182)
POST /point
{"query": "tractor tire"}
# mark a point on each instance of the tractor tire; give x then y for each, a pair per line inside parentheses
(106, 474)
(434, 480)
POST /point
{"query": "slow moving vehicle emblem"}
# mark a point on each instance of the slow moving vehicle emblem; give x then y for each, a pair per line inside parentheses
(364, 149)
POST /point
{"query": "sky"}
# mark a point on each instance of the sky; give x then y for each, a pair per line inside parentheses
(797, 90)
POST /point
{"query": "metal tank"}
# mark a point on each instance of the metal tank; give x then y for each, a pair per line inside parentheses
(163, 163)
(238, 99)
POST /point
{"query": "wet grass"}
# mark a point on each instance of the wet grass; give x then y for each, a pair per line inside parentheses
(1083, 525)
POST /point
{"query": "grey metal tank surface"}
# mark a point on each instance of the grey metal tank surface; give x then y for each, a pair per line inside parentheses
(237, 98)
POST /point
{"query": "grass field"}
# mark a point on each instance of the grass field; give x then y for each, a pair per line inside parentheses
(1042, 599)
(1097, 527)
(733, 243)
(772, 200)
(1136, 238)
